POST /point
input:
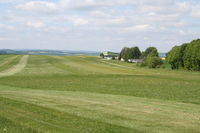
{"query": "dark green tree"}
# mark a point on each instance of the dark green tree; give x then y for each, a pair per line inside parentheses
(135, 53)
(150, 58)
(191, 57)
(174, 57)
(124, 54)
(130, 53)
(182, 52)
(185, 56)
(102, 55)
(150, 51)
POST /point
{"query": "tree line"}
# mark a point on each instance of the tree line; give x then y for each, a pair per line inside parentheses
(186, 56)
(130, 53)
(149, 57)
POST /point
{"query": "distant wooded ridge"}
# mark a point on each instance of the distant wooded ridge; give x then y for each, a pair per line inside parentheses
(56, 52)
(48, 52)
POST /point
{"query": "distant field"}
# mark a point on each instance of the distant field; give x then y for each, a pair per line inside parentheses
(86, 94)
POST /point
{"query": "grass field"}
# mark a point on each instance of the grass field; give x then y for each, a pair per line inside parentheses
(82, 94)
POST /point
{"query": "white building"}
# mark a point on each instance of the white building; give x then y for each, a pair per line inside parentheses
(135, 60)
(122, 59)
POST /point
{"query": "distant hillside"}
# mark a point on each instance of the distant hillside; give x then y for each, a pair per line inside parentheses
(162, 54)
(49, 52)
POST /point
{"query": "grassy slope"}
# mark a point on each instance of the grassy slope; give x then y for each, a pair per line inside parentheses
(7, 61)
(88, 94)
(15, 66)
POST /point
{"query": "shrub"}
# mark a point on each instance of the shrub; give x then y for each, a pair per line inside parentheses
(154, 62)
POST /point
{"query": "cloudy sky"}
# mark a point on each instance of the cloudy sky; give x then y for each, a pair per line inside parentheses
(98, 25)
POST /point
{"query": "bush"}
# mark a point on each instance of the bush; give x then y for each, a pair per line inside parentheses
(143, 64)
(154, 62)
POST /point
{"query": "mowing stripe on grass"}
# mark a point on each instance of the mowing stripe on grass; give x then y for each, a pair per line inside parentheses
(130, 112)
(117, 65)
(17, 68)
(7, 60)
(47, 120)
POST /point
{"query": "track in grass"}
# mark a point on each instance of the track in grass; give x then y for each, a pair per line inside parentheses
(16, 68)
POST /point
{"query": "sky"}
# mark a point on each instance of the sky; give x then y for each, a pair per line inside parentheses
(98, 25)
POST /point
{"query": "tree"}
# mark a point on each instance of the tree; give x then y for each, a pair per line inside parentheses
(185, 56)
(130, 53)
(174, 57)
(150, 58)
(191, 57)
(125, 53)
(182, 52)
(102, 55)
(150, 51)
(135, 53)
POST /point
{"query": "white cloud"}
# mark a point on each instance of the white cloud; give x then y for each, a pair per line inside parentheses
(10, 1)
(76, 3)
(79, 21)
(84, 4)
(3, 38)
(37, 25)
(39, 6)
(183, 7)
(187, 33)
(195, 11)
(92, 21)
(7, 27)
(139, 28)
(100, 14)
(116, 21)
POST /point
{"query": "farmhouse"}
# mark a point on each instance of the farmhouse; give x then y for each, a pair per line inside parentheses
(110, 55)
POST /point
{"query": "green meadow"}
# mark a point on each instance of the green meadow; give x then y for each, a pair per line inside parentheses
(86, 94)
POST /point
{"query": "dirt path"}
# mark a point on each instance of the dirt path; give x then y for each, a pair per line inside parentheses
(16, 68)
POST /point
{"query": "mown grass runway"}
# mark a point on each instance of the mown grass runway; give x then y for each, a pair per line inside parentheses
(81, 94)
